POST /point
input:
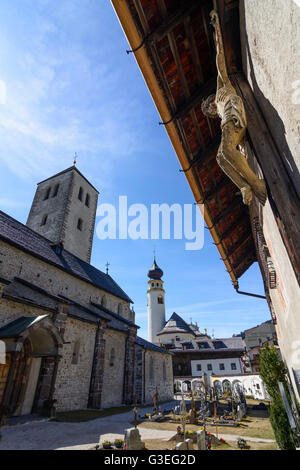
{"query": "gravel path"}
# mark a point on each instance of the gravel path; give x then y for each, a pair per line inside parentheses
(50, 435)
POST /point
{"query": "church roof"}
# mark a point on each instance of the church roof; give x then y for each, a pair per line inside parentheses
(176, 324)
(147, 345)
(71, 168)
(26, 239)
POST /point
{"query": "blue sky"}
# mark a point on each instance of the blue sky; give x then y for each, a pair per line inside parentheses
(67, 85)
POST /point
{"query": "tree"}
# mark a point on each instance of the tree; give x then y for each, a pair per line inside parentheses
(272, 371)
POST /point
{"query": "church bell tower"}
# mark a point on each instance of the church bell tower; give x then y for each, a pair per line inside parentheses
(156, 303)
(64, 211)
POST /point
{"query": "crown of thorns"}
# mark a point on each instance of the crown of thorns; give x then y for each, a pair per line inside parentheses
(206, 104)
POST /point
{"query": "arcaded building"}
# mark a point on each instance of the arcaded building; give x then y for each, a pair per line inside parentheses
(68, 328)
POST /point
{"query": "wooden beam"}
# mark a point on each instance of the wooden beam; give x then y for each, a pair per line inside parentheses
(237, 201)
(239, 243)
(233, 227)
(211, 194)
(194, 51)
(187, 7)
(201, 93)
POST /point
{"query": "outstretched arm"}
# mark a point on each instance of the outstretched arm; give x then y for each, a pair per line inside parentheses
(221, 64)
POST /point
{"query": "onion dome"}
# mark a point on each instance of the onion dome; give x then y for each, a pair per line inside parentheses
(155, 272)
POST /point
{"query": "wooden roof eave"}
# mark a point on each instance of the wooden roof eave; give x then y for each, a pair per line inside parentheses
(134, 38)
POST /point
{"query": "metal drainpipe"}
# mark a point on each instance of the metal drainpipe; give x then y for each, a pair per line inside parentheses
(250, 294)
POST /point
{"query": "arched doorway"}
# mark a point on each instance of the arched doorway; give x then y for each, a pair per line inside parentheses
(28, 378)
(186, 386)
(226, 386)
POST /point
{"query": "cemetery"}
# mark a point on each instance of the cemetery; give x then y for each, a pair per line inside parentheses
(198, 421)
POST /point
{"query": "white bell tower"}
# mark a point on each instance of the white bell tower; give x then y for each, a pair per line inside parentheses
(156, 303)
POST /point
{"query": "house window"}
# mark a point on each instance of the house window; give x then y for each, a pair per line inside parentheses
(44, 219)
(233, 366)
(160, 300)
(222, 366)
(79, 224)
(55, 191)
(87, 200)
(80, 194)
(199, 367)
(47, 194)
(209, 367)
(177, 338)
(75, 355)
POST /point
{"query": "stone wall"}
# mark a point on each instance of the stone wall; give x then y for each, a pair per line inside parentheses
(113, 377)
(158, 373)
(73, 380)
(270, 37)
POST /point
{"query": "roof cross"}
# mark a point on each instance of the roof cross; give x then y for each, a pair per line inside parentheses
(107, 266)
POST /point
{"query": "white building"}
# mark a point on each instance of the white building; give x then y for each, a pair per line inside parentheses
(251, 384)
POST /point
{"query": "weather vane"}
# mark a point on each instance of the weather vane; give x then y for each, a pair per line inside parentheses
(107, 265)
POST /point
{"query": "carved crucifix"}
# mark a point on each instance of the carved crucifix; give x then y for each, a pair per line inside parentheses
(230, 108)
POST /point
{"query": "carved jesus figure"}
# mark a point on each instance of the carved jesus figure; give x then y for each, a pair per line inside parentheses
(230, 108)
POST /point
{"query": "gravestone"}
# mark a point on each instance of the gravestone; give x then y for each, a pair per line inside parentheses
(132, 439)
(182, 445)
(201, 440)
(189, 444)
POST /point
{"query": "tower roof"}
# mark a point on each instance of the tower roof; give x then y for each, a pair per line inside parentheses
(71, 168)
(155, 272)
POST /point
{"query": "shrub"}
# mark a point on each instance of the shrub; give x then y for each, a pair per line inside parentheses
(284, 435)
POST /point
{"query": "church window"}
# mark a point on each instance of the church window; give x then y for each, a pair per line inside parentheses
(47, 194)
(87, 200)
(80, 194)
(112, 357)
(44, 219)
(75, 355)
(160, 300)
(157, 285)
(152, 284)
(55, 191)
(79, 224)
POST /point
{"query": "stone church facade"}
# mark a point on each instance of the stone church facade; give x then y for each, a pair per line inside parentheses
(69, 329)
